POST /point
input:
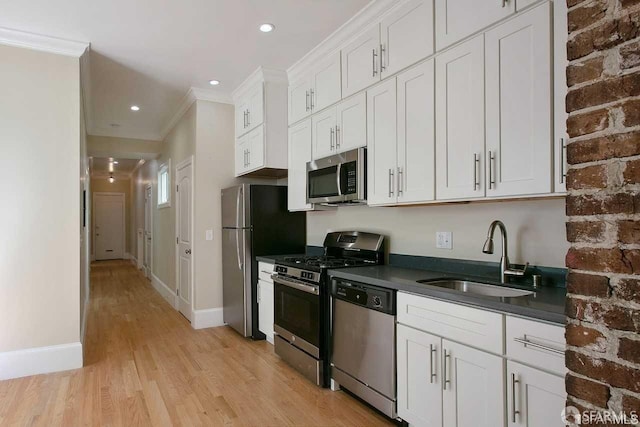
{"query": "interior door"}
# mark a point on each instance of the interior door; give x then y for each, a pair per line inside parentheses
(148, 233)
(381, 144)
(327, 88)
(109, 226)
(419, 377)
(323, 126)
(299, 154)
(519, 105)
(406, 36)
(351, 123)
(460, 121)
(184, 218)
(361, 62)
(473, 393)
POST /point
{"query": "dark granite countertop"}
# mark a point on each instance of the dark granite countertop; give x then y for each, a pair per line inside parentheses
(547, 303)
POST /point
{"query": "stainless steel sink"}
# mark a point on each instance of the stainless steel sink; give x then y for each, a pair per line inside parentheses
(478, 288)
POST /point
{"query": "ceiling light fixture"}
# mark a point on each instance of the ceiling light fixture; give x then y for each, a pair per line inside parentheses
(267, 28)
(214, 82)
(115, 162)
(111, 179)
(135, 108)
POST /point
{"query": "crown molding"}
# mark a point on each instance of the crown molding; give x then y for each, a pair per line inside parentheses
(42, 43)
(261, 74)
(371, 14)
(193, 94)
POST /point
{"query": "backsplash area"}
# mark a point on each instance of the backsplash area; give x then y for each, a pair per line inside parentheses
(536, 229)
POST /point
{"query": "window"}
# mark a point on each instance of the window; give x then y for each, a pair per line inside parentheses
(164, 185)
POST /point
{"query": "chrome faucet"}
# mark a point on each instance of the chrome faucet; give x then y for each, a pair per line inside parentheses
(505, 267)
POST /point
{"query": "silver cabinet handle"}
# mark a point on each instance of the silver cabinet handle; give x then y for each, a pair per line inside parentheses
(532, 344)
(331, 133)
(514, 411)
(400, 181)
(382, 52)
(504, 3)
(391, 175)
(375, 55)
(312, 92)
(249, 157)
(476, 162)
(492, 180)
(432, 351)
(248, 118)
(563, 172)
(307, 102)
(337, 137)
(244, 119)
(445, 375)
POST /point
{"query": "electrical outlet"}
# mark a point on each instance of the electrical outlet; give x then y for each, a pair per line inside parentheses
(209, 235)
(444, 240)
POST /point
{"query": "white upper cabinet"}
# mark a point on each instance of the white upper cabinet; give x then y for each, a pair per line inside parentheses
(560, 89)
(521, 4)
(416, 134)
(460, 121)
(255, 141)
(255, 114)
(299, 155)
(361, 62)
(323, 127)
(473, 387)
(241, 155)
(299, 99)
(351, 123)
(381, 144)
(457, 19)
(241, 109)
(406, 36)
(534, 398)
(326, 85)
(518, 91)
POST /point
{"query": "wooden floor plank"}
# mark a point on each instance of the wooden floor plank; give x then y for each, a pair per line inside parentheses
(146, 366)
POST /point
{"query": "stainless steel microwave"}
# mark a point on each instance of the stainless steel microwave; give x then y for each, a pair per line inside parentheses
(340, 178)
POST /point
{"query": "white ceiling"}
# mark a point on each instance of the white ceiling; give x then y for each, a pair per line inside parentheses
(150, 52)
(100, 167)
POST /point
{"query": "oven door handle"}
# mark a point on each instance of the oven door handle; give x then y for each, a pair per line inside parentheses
(295, 285)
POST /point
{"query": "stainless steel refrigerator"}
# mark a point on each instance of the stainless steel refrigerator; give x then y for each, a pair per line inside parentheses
(255, 222)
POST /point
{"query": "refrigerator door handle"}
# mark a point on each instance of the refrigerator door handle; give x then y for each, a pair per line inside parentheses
(238, 213)
(238, 248)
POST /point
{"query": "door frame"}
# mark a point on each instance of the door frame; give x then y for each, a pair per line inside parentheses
(148, 274)
(95, 196)
(189, 161)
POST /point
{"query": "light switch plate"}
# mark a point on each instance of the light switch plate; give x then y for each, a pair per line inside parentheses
(444, 240)
(209, 234)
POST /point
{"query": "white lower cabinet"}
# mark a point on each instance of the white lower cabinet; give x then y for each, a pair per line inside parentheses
(534, 398)
(265, 300)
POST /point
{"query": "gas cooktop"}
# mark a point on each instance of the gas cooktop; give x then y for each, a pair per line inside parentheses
(320, 262)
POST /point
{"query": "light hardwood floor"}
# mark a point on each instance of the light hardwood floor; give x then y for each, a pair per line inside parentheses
(145, 365)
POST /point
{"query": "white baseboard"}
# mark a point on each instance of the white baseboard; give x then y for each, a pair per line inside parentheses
(166, 292)
(209, 318)
(40, 360)
(127, 255)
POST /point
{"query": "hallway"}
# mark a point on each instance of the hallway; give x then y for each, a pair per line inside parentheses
(145, 365)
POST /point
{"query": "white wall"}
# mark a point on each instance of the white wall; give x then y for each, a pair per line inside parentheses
(40, 215)
(536, 229)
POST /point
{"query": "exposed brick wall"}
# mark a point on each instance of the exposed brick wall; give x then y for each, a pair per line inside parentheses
(603, 204)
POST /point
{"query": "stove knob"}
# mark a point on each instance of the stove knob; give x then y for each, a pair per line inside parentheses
(377, 302)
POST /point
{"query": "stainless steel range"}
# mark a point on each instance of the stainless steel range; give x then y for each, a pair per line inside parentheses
(302, 299)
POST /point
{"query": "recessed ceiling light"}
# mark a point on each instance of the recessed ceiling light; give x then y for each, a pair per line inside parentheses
(111, 179)
(267, 28)
(214, 82)
(115, 162)
(135, 108)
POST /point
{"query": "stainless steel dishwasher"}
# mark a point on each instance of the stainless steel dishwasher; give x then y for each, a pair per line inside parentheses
(363, 339)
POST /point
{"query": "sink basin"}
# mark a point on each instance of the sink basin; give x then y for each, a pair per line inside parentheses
(478, 288)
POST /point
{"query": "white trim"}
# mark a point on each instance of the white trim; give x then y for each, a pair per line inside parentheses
(164, 167)
(193, 94)
(42, 43)
(261, 74)
(148, 268)
(369, 15)
(209, 318)
(128, 256)
(124, 221)
(167, 293)
(40, 360)
(189, 161)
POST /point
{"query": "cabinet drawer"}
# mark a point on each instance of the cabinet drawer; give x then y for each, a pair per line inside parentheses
(478, 328)
(536, 343)
(265, 270)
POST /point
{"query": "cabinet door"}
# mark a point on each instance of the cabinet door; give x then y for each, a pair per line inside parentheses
(457, 19)
(361, 62)
(323, 127)
(241, 117)
(299, 99)
(256, 106)
(473, 389)
(327, 89)
(460, 121)
(265, 309)
(255, 145)
(241, 155)
(521, 4)
(539, 397)
(518, 85)
(381, 144)
(416, 134)
(419, 377)
(351, 120)
(299, 154)
(560, 62)
(406, 36)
